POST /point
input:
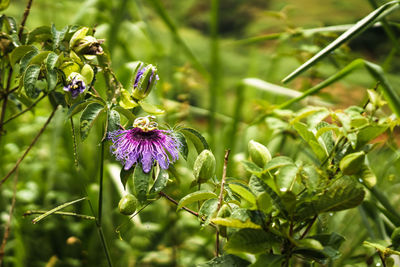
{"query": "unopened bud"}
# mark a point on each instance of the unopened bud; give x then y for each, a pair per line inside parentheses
(127, 205)
(88, 46)
(204, 166)
(145, 79)
(352, 163)
(259, 154)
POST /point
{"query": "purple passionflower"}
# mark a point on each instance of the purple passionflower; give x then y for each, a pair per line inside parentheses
(76, 87)
(146, 144)
(145, 79)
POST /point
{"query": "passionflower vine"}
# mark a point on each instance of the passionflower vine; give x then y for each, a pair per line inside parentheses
(145, 79)
(144, 143)
(76, 86)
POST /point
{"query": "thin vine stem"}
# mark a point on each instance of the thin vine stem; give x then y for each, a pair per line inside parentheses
(29, 148)
(100, 205)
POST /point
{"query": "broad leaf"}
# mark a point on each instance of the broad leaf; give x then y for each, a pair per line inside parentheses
(208, 209)
(125, 174)
(243, 191)
(141, 182)
(30, 78)
(57, 36)
(19, 52)
(160, 182)
(235, 223)
(184, 149)
(196, 138)
(311, 140)
(88, 118)
(195, 196)
(277, 162)
(151, 109)
(226, 261)
(250, 241)
(113, 121)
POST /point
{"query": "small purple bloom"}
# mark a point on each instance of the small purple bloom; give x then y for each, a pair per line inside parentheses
(144, 143)
(145, 79)
(76, 87)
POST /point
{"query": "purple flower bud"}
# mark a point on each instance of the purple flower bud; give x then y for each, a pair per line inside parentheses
(76, 87)
(145, 79)
(146, 144)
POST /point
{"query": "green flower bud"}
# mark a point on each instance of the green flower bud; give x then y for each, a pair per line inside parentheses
(204, 166)
(127, 205)
(145, 79)
(352, 163)
(259, 154)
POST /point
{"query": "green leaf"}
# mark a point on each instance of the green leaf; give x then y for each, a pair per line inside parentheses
(268, 260)
(113, 121)
(277, 162)
(311, 140)
(126, 100)
(286, 177)
(359, 27)
(141, 182)
(78, 107)
(58, 36)
(126, 113)
(51, 73)
(4, 4)
(251, 167)
(26, 59)
(21, 51)
(184, 149)
(344, 193)
(243, 191)
(88, 118)
(367, 176)
(87, 74)
(235, 223)
(125, 174)
(194, 197)
(30, 78)
(208, 209)
(249, 241)
(369, 133)
(79, 34)
(39, 34)
(151, 109)
(226, 261)
(259, 185)
(196, 138)
(160, 183)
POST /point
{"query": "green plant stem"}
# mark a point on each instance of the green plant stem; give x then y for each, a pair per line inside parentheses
(384, 202)
(221, 197)
(5, 100)
(28, 149)
(100, 204)
(8, 225)
(62, 213)
(76, 160)
(25, 110)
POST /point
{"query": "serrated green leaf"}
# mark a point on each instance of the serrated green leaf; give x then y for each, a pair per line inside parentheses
(243, 191)
(150, 108)
(194, 197)
(251, 167)
(125, 174)
(88, 118)
(19, 52)
(344, 193)
(113, 121)
(58, 36)
(126, 113)
(26, 59)
(160, 183)
(277, 162)
(184, 149)
(226, 261)
(40, 34)
(141, 182)
(235, 223)
(208, 209)
(249, 241)
(196, 138)
(30, 78)
(311, 140)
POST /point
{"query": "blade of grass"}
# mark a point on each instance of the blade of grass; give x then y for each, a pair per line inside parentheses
(215, 92)
(159, 8)
(359, 27)
(41, 217)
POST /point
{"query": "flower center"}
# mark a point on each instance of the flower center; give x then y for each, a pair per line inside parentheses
(145, 123)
